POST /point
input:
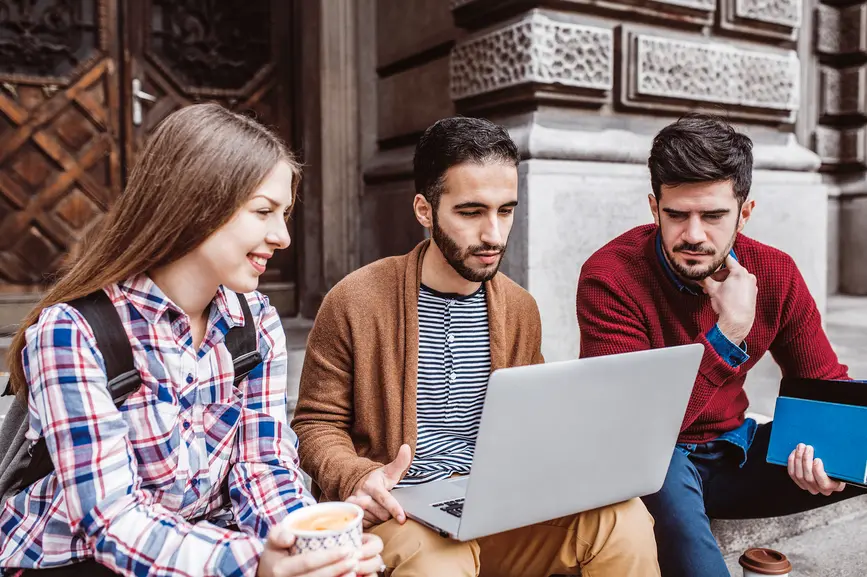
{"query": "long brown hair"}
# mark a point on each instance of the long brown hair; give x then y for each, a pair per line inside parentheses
(196, 169)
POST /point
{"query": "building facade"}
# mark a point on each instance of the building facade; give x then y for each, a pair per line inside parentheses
(582, 85)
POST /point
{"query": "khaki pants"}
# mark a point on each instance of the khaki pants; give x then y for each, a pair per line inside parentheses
(615, 541)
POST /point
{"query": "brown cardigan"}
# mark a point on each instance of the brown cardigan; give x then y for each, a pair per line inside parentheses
(357, 402)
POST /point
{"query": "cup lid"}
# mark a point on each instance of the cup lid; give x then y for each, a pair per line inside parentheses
(765, 562)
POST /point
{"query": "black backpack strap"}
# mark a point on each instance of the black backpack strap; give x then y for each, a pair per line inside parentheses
(241, 342)
(123, 379)
(113, 343)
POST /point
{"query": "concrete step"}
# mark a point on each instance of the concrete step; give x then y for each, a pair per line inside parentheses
(296, 330)
(734, 537)
(5, 342)
(14, 307)
(836, 550)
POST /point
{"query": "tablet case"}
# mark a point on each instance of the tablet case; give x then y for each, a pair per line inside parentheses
(831, 416)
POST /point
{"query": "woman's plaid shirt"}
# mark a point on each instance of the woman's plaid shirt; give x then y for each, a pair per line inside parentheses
(128, 481)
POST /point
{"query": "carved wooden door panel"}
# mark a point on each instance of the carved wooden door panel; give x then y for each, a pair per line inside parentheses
(236, 52)
(60, 164)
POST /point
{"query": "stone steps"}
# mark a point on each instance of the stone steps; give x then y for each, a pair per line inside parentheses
(836, 550)
(737, 536)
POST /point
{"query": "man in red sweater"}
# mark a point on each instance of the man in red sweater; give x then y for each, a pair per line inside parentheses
(693, 278)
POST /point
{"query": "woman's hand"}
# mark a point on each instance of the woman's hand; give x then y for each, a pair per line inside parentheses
(370, 563)
(276, 561)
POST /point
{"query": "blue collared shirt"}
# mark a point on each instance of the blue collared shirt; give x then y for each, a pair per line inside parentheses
(742, 437)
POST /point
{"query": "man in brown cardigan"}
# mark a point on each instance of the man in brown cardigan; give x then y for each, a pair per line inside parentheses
(397, 366)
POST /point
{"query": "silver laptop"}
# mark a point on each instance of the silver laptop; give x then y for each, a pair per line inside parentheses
(564, 437)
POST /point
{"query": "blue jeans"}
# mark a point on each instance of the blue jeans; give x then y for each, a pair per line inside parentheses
(710, 484)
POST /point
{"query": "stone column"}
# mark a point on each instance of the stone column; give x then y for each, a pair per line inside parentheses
(584, 89)
(328, 91)
(408, 90)
(841, 138)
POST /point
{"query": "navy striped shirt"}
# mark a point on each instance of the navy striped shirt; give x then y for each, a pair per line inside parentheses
(454, 363)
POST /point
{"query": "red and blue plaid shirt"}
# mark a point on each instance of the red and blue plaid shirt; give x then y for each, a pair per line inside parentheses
(128, 481)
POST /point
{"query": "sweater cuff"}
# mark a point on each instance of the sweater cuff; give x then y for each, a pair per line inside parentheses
(714, 367)
(727, 350)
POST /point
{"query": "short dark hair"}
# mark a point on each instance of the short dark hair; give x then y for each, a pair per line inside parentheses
(701, 148)
(453, 141)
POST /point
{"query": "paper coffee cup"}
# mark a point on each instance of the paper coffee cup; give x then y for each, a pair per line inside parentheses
(760, 562)
(325, 526)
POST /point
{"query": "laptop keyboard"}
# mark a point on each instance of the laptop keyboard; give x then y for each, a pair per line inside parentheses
(455, 507)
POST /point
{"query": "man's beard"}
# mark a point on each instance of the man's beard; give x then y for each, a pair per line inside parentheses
(692, 273)
(457, 257)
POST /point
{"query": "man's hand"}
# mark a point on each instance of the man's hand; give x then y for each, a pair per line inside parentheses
(732, 293)
(809, 473)
(373, 492)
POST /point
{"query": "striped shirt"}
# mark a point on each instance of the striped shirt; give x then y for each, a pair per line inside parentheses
(128, 481)
(454, 363)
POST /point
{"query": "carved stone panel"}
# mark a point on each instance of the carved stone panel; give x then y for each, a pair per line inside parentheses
(838, 147)
(536, 50)
(769, 18)
(841, 31)
(843, 92)
(678, 74)
(782, 12)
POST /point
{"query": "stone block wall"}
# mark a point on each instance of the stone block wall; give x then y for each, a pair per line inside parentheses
(840, 136)
(413, 41)
(583, 85)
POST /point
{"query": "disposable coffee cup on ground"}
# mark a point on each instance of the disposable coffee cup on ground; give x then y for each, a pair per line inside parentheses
(759, 562)
(325, 526)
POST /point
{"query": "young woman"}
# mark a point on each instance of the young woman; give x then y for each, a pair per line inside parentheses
(204, 210)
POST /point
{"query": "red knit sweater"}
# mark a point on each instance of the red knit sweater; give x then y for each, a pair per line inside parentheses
(627, 303)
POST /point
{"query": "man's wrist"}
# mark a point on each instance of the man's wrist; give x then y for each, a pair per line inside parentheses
(732, 332)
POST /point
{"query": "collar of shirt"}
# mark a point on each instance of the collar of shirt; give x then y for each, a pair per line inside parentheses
(452, 296)
(681, 286)
(152, 303)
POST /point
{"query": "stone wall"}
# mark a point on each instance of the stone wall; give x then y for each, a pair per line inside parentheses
(413, 41)
(841, 136)
(583, 85)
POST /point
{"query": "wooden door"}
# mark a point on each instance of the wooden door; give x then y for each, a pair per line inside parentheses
(236, 52)
(71, 123)
(60, 143)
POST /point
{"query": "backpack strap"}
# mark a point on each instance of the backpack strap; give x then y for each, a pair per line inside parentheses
(123, 379)
(112, 341)
(241, 342)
